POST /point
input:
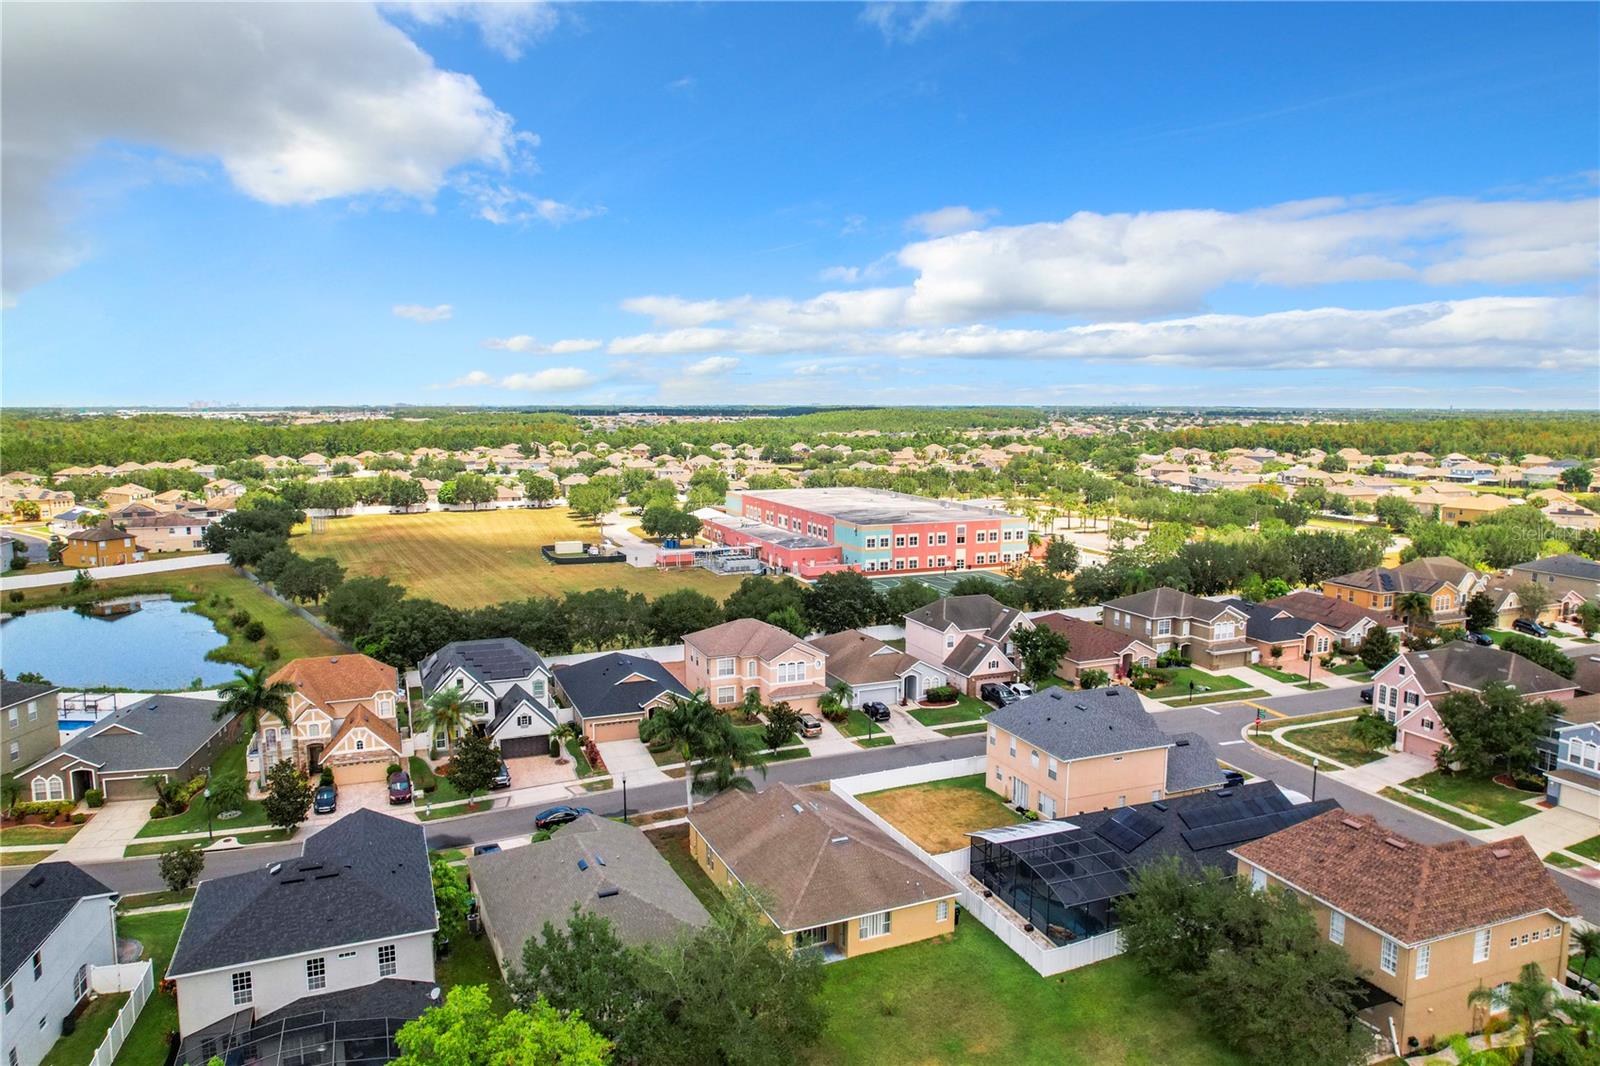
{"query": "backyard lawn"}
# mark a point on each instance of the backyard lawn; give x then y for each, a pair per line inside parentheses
(93, 1024)
(472, 559)
(147, 1041)
(939, 815)
(230, 764)
(673, 844)
(965, 709)
(969, 999)
(1476, 795)
(1336, 742)
(471, 962)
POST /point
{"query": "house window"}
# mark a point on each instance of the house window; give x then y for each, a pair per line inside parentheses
(725, 666)
(1388, 956)
(386, 960)
(1164, 627)
(53, 788)
(1050, 769)
(11, 716)
(725, 694)
(1336, 927)
(38, 965)
(1413, 699)
(361, 745)
(524, 721)
(991, 736)
(1258, 879)
(15, 750)
(536, 687)
(751, 668)
(80, 983)
(1033, 757)
(243, 991)
(1013, 747)
(1427, 723)
(11, 999)
(941, 911)
(314, 729)
(949, 640)
(316, 973)
(1047, 806)
(1424, 957)
(874, 925)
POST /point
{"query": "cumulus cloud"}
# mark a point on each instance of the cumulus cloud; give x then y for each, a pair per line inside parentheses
(903, 22)
(948, 220)
(470, 378)
(504, 204)
(421, 313)
(505, 27)
(522, 342)
(555, 379)
(716, 364)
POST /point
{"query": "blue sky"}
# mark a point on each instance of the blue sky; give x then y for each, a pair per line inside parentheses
(1364, 205)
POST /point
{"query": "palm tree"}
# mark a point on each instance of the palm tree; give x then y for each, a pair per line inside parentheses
(728, 751)
(687, 724)
(254, 698)
(1582, 1029)
(561, 734)
(445, 714)
(835, 703)
(1413, 608)
(1587, 942)
(1530, 1000)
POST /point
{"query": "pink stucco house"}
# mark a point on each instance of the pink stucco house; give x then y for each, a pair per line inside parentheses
(728, 660)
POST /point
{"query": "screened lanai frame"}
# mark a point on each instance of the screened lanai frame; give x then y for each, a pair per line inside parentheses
(1062, 879)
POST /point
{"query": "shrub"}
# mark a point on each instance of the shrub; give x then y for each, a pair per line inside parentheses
(941, 694)
(49, 809)
(16, 597)
(392, 769)
(255, 631)
(540, 837)
(240, 619)
(326, 777)
(1145, 683)
(1174, 657)
(181, 867)
(94, 798)
(270, 652)
(78, 817)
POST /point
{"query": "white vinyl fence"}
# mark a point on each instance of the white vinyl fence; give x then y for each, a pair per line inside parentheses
(954, 865)
(138, 979)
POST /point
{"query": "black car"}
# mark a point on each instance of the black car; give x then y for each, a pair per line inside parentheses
(326, 800)
(399, 787)
(997, 694)
(1366, 694)
(502, 777)
(1232, 779)
(1482, 640)
(876, 711)
(554, 816)
(1530, 627)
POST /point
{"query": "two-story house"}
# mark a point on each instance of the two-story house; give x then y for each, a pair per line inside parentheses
(1283, 638)
(1350, 624)
(1429, 923)
(1561, 575)
(29, 723)
(1572, 769)
(876, 671)
(1209, 633)
(508, 687)
(1061, 753)
(341, 715)
(355, 911)
(969, 637)
(56, 925)
(1406, 690)
(747, 653)
(1446, 582)
(101, 545)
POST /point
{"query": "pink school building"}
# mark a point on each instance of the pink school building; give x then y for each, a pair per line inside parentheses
(810, 531)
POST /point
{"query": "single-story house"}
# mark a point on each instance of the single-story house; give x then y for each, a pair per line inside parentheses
(1094, 647)
(1348, 622)
(612, 693)
(876, 671)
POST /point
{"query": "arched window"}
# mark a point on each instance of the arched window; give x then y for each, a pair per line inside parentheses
(271, 738)
(55, 789)
(39, 790)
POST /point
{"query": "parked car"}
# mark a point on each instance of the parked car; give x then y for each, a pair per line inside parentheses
(554, 816)
(997, 694)
(876, 711)
(1366, 694)
(1232, 778)
(1483, 640)
(399, 787)
(485, 849)
(1021, 689)
(502, 777)
(810, 725)
(1530, 627)
(326, 800)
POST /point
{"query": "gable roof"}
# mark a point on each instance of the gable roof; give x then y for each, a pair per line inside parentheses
(624, 880)
(157, 733)
(13, 692)
(365, 877)
(969, 654)
(1413, 892)
(1428, 574)
(1082, 724)
(744, 636)
(1460, 665)
(860, 659)
(1192, 763)
(1272, 625)
(1573, 566)
(816, 859)
(616, 683)
(327, 679)
(517, 698)
(102, 532)
(362, 718)
(35, 905)
(485, 661)
(1167, 602)
(1090, 642)
(978, 613)
(1315, 607)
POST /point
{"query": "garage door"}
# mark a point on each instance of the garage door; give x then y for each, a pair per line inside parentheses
(521, 747)
(600, 732)
(359, 773)
(1416, 745)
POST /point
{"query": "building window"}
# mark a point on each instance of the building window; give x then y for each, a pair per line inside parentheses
(941, 911)
(361, 745)
(1033, 758)
(15, 751)
(11, 999)
(1013, 747)
(33, 710)
(243, 992)
(1050, 769)
(725, 667)
(751, 668)
(874, 925)
(998, 776)
(991, 736)
(524, 721)
(1258, 878)
(1047, 807)
(725, 694)
(1424, 957)
(1336, 927)
(316, 973)
(11, 716)
(80, 983)
(38, 965)
(386, 960)
(1389, 956)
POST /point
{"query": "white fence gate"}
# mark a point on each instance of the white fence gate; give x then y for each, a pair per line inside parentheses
(136, 978)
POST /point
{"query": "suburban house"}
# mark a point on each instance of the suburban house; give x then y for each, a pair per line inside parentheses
(354, 911)
(122, 495)
(1094, 647)
(167, 531)
(747, 653)
(29, 728)
(968, 636)
(1429, 923)
(1064, 878)
(507, 686)
(1209, 633)
(52, 503)
(594, 865)
(1061, 752)
(173, 737)
(1506, 595)
(612, 693)
(829, 879)
(1572, 770)
(1447, 583)
(1406, 689)
(876, 671)
(56, 925)
(342, 716)
(101, 545)
(1561, 574)
(1349, 623)
(1284, 639)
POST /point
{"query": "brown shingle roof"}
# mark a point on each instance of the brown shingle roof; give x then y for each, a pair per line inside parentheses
(1412, 892)
(330, 679)
(361, 718)
(855, 657)
(744, 636)
(816, 859)
(1315, 607)
(1090, 642)
(104, 531)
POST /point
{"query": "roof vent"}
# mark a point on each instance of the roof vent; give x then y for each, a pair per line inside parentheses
(1158, 805)
(1351, 822)
(583, 864)
(1225, 792)
(333, 659)
(1113, 692)
(327, 874)
(607, 892)
(599, 858)
(839, 840)
(275, 867)
(1396, 842)
(1080, 707)
(797, 808)
(1181, 742)
(1501, 853)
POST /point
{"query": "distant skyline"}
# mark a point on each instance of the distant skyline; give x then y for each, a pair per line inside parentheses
(1304, 205)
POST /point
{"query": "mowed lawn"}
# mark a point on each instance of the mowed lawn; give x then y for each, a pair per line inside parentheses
(969, 999)
(939, 815)
(473, 559)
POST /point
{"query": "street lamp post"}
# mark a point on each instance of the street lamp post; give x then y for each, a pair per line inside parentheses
(624, 798)
(1315, 764)
(207, 794)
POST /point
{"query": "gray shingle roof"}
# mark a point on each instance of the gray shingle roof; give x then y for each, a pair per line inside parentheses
(1167, 603)
(21, 691)
(982, 613)
(516, 699)
(1082, 724)
(35, 905)
(158, 733)
(1469, 666)
(522, 888)
(363, 878)
(1192, 763)
(596, 689)
(1274, 625)
(1575, 566)
(968, 656)
(494, 659)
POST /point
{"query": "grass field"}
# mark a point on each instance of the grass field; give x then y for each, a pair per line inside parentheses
(1444, 814)
(964, 709)
(229, 765)
(17, 836)
(93, 1024)
(472, 559)
(939, 815)
(1336, 742)
(941, 582)
(147, 1040)
(1476, 795)
(673, 844)
(1589, 849)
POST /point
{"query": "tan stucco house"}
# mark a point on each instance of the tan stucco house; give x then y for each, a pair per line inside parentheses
(747, 653)
(342, 715)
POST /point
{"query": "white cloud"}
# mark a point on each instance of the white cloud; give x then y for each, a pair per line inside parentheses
(682, 84)
(842, 274)
(555, 379)
(716, 364)
(506, 27)
(522, 342)
(505, 204)
(948, 220)
(422, 313)
(471, 378)
(903, 22)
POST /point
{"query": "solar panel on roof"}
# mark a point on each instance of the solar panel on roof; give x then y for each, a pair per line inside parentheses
(1127, 829)
(1233, 808)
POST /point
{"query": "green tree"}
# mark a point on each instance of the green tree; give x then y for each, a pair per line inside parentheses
(1533, 598)
(181, 866)
(728, 752)
(1378, 648)
(750, 707)
(468, 1030)
(682, 611)
(835, 704)
(1531, 1002)
(562, 734)
(584, 968)
(687, 725)
(443, 714)
(1395, 511)
(790, 620)
(288, 798)
(1093, 678)
(254, 699)
(309, 579)
(1541, 652)
(906, 596)
(1481, 615)
(1588, 617)
(538, 488)
(1576, 479)
(841, 600)
(763, 597)
(1372, 731)
(1034, 588)
(357, 602)
(782, 724)
(1060, 556)
(473, 765)
(1495, 727)
(1039, 649)
(10, 791)
(451, 896)
(592, 500)
(1586, 944)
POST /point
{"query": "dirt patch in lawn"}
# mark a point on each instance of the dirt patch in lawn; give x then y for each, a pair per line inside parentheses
(938, 816)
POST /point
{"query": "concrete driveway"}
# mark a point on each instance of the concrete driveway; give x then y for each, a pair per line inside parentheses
(531, 771)
(1557, 827)
(373, 795)
(104, 837)
(632, 758)
(1390, 770)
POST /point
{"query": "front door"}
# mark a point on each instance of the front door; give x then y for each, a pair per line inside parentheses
(313, 759)
(911, 688)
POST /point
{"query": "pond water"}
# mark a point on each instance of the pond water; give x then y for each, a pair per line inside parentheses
(158, 646)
